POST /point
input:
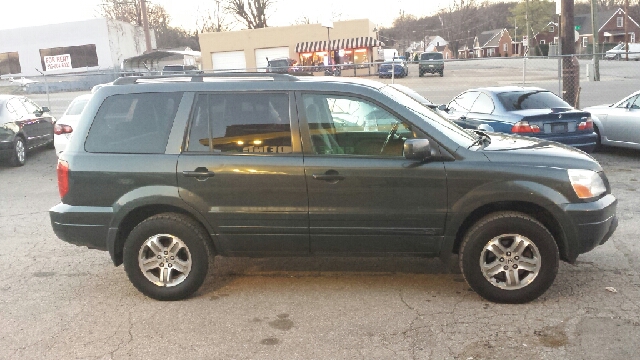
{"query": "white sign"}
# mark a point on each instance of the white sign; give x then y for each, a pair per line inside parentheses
(558, 7)
(57, 62)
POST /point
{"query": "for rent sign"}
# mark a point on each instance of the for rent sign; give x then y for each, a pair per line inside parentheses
(57, 62)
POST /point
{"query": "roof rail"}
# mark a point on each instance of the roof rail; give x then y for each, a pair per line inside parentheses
(129, 80)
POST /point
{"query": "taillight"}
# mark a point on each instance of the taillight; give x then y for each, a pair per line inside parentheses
(62, 129)
(524, 127)
(586, 125)
(63, 177)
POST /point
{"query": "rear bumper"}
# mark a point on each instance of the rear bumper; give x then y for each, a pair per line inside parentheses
(81, 225)
(592, 224)
(584, 142)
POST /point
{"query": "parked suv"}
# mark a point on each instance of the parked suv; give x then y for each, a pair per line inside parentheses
(432, 63)
(165, 172)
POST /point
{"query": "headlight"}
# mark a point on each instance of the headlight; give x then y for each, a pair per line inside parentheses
(586, 183)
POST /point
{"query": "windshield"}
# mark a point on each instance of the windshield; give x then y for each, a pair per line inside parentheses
(525, 100)
(76, 107)
(431, 56)
(448, 128)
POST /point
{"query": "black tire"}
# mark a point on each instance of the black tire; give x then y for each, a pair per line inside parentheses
(441, 73)
(420, 74)
(176, 226)
(598, 139)
(500, 227)
(19, 156)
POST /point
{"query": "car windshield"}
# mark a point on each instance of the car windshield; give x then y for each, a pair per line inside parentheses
(76, 107)
(431, 56)
(524, 100)
(448, 128)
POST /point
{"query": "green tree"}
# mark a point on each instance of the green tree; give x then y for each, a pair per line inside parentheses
(541, 12)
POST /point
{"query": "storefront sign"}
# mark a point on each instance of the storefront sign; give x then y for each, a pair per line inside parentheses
(57, 62)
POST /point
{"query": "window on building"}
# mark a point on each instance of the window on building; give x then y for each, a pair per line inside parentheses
(555, 40)
(632, 37)
(585, 41)
(542, 42)
(81, 56)
(504, 47)
(552, 29)
(9, 63)
(620, 21)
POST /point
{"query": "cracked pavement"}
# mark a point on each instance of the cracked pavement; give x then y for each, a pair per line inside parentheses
(62, 301)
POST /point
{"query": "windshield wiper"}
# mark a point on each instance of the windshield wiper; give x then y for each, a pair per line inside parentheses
(482, 140)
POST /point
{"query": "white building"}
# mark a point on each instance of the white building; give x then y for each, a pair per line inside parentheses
(92, 44)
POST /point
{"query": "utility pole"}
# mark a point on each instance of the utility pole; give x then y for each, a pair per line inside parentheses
(145, 25)
(526, 16)
(596, 39)
(570, 65)
(626, 28)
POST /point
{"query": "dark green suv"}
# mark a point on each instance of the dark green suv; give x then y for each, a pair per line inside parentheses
(165, 172)
(432, 63)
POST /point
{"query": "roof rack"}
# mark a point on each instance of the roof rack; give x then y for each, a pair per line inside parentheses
(129, 80)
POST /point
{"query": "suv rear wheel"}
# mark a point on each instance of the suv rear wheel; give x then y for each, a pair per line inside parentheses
(166, 256)
(509, 257)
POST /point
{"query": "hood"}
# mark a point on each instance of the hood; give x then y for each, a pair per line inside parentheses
(524, 150)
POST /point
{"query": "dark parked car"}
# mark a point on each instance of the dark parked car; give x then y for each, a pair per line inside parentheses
(23, 126)
(165, 174)
(282, 66)
(527, 111)
(400, 69)
(432, 63)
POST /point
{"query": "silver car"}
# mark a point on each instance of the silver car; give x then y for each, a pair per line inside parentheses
(618, 124)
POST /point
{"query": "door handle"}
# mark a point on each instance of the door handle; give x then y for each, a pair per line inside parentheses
(463, 117)
(200, 173)
(331, 177)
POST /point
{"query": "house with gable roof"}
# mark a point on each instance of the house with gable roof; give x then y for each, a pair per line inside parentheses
(611, 29)
(493, 43)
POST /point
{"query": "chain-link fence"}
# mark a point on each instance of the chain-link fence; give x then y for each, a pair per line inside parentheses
(571, 77)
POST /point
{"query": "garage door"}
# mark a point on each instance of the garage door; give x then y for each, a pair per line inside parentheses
(271, 53)
(229, 60)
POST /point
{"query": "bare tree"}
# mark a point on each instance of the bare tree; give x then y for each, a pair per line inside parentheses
(252, 13)
(131, 12)
(212, 21)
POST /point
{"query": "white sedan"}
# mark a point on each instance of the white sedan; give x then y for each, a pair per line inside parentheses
(63, 129)
(618, 124)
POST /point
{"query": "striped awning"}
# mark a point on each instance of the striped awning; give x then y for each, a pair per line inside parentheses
(353, 43)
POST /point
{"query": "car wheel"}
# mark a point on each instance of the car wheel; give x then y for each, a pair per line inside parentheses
(509, 257)
(166, 256)
(19, 157)
(598, 139)
(420, 74)
(441, 73)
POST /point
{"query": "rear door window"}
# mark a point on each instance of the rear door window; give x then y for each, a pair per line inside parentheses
(133, 123)
(240, 123)
(483, 104)
(464, 101)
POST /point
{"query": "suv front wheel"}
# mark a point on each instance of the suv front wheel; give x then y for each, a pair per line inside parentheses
(509, 257)
(166, 256)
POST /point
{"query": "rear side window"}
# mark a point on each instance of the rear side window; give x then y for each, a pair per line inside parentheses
(241, 123)
(76, 107)
(133, 123)
(431, 56)
(524, 100)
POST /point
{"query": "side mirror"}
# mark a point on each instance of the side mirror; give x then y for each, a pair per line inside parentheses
(443, 107)
(485, 127)
(417, 149)
(45, 109)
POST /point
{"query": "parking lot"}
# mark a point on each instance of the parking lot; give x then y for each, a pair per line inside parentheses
(63, 301)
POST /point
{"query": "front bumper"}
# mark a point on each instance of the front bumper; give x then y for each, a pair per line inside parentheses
(591, 224)
(81, 225)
